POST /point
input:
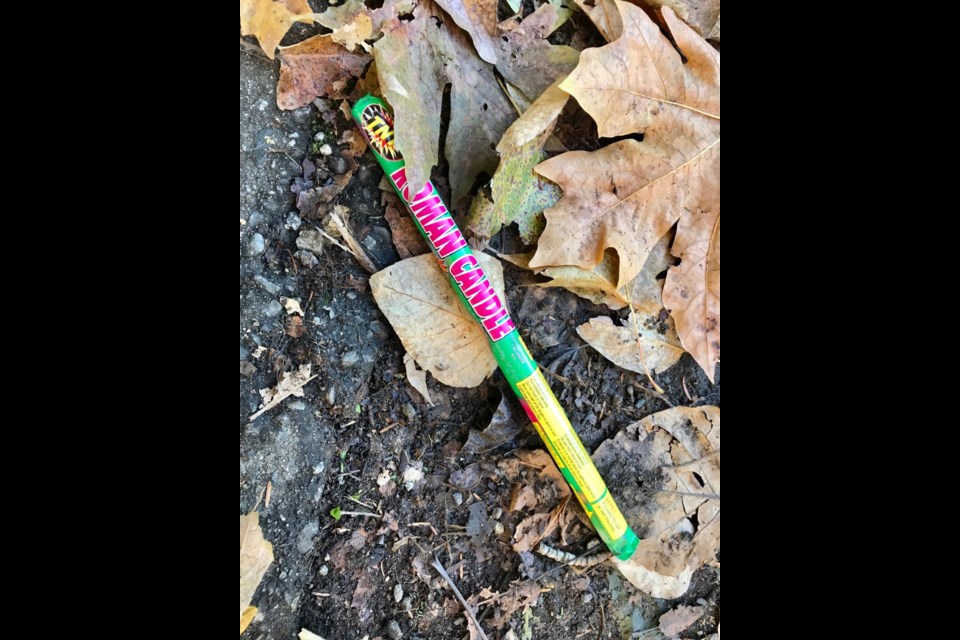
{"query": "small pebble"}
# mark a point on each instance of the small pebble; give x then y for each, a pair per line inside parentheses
(269, 287)
(307, 259)
(273, 309)
(324, 570)
(398, 592)
(497, 512)
(310, 240)
(498, 528)
(331, 395)
(587, 598)
(350, 358)
(393, 630)
(458, 498)
(338, 164)
(293, 221)
(325, 150)
(257, 245)
(409, 412)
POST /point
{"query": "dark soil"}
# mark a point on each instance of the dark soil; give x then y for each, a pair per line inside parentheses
(360, 418)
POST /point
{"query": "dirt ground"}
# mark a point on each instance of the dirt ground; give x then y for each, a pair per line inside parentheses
(359, 421)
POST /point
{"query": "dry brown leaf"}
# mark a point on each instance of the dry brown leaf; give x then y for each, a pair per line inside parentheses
(406, 237)
(356, 145)
(643, 293)
(417, 378)
(605, 15)
(434, 327)
(530, 531)
(288, 384)
(702, 15)
(355, 33)
(479, 19)
(641, 79)
(292, 305)
(366, 587)
(293, 326)
(522, 497)
(246, 617)
(622, 346)
(256, 555)
(318, 66)
(627, 196)
(269, 21)
(664, 470)
(503, 427)
(527, 60)
(692, 290)
(674, 622)
(519, 194)
(337, 17)
(517, 597)
(415, 62)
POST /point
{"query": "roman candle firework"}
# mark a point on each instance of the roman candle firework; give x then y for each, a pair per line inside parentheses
(477, 294)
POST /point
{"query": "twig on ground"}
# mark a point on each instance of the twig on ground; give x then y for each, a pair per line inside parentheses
(366, 514)
(280, 397)
(463, 601)
(658, 396)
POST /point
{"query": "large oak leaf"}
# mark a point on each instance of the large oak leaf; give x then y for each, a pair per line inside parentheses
(629, 194)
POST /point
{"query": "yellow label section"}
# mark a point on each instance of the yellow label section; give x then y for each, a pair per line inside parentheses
(566, 447)
(610, 517)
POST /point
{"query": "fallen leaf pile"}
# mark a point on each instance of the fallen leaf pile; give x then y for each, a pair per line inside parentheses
(597, 217)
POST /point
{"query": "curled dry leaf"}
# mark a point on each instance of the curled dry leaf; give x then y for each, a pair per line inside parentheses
(605, 16)
(417, 378)
(664, 470)
(406, 238)
(528, 60)
(292, 306)
(256, 555)
(293, 326)
(503, 427)
(692, 290)
(246, 617)
(479, 19)
(288, 384)
(627, 196)
(415, 62)
(702, 15)
(597, 285)
(519, 194)
(337, 17)
(318, 66)
(632, 347)
(678, 620)
(431, 322)
(269, 21)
